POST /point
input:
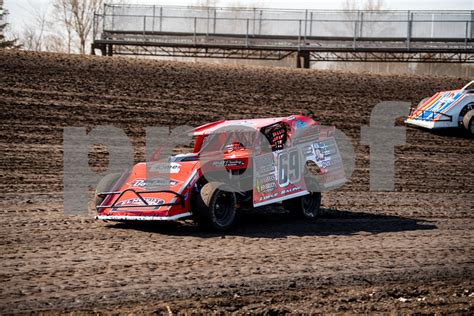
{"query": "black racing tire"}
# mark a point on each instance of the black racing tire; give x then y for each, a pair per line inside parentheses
(106, 184)
(214, 208)
(468, 122)
(306, 206)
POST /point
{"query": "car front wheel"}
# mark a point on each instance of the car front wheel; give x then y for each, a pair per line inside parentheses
(214, 208)
(468, 122)
(106, 184)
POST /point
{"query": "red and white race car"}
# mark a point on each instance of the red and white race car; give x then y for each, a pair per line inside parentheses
(446, 109)
(235, 164)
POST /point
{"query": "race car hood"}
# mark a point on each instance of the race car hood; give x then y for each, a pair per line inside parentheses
(155, 190)
(438, 106)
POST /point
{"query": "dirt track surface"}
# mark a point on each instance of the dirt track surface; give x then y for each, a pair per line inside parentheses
(407, 250)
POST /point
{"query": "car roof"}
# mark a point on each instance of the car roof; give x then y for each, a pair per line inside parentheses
(209, 128)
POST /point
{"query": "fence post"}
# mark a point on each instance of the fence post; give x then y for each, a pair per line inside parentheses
(208, 19)
(195, 25)
(254, 19)
(467, 31)
(153, 22)
(161, 18)
(311, 24)
(113, 16)
(361, 24)
(214, 24)
(354, 44)
(247, 34)
(144, 25)
(260, 23)
(432, 25)
(305, 24)
(299, 34)
(409, 28)
(472, 25)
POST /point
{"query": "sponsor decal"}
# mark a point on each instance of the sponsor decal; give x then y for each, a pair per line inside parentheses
(308, 151)
(266, 179)
(267, 187)
(281, 193)
(322, 154)
(245, 123)
(325, 154)
(264, 164)
(268, 197)
(228, 163)
(276, 135)
(291, 190)
(138, 201)
(159, 182)
(300, 124)
(266, 184)
(172, 167)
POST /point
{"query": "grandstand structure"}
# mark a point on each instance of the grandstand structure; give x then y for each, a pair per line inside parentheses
(274, 34)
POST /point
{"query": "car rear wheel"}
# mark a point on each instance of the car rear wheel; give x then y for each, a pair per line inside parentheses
(215, 208)
(106, 184)
(306, 206)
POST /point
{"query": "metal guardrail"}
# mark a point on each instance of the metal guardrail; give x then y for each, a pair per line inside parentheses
(285, 30)
(410, 25)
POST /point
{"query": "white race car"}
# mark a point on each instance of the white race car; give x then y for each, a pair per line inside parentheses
(446, 109)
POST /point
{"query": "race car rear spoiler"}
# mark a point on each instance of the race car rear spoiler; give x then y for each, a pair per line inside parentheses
(139, 195)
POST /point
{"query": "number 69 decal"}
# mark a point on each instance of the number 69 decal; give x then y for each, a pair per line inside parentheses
(289, 167)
